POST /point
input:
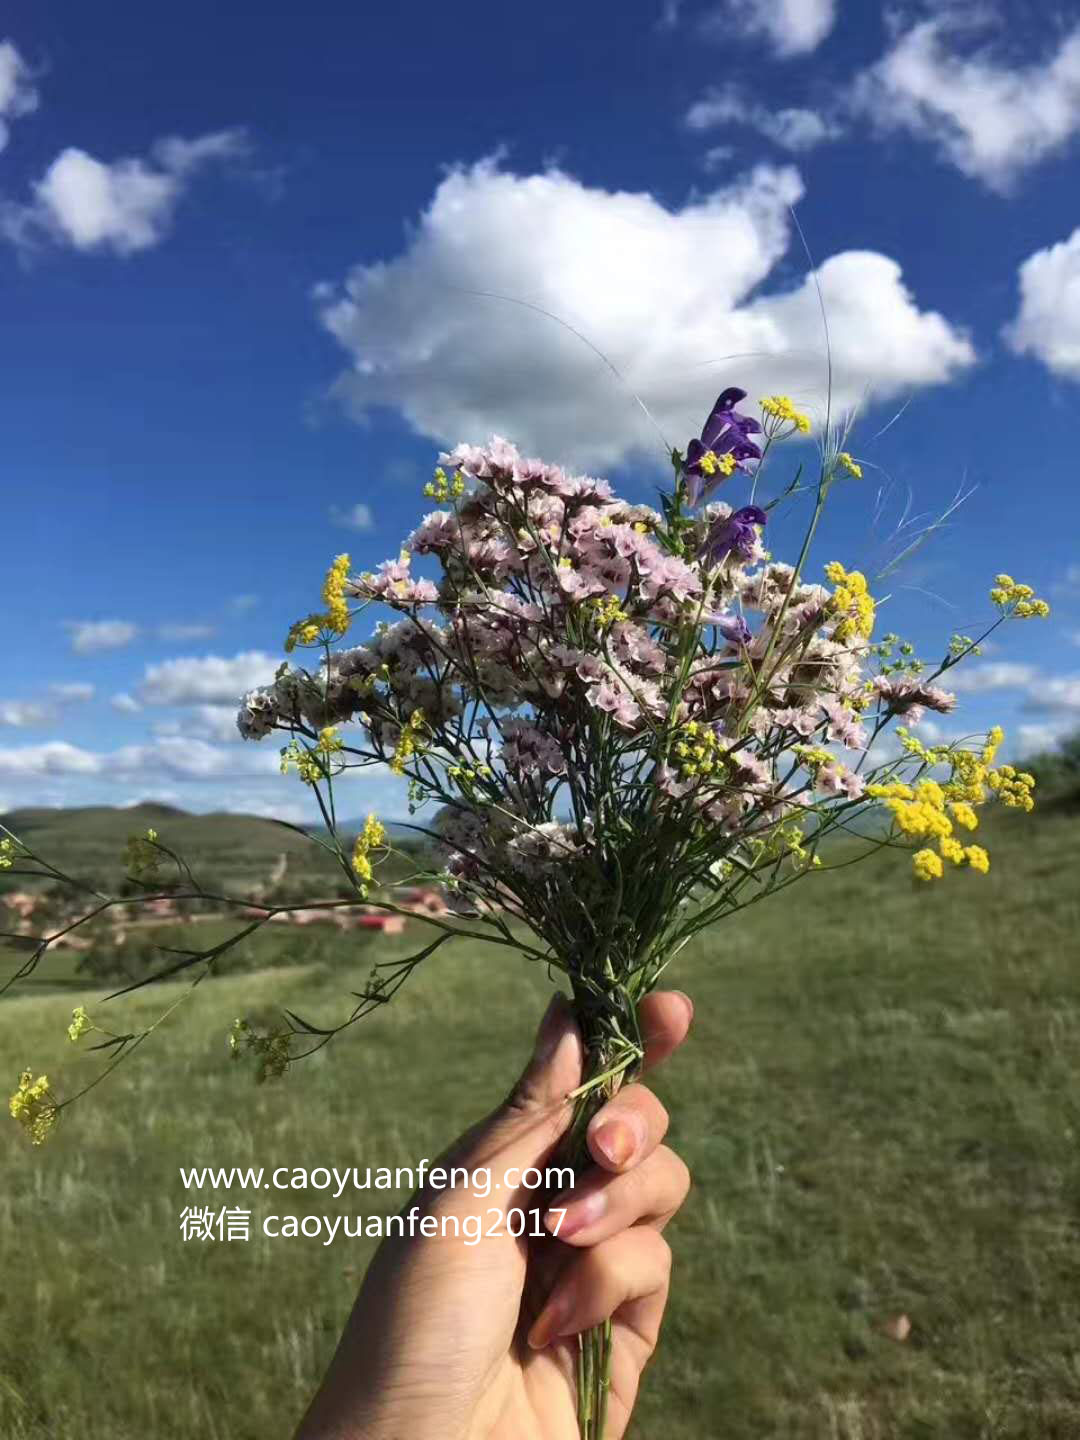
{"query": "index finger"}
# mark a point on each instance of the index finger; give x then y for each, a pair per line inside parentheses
(664, 1019)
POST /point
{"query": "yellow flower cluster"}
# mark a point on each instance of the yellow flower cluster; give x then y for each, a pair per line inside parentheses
(920, 811)
(271, 1050)
(142, 856)
(7, 852)
(372, 837)
(303, 632)
(813, 756)
(851, 601)
(780, 407)
(971, 770)
(711, 463)
(364, 684)
(316, 763)
(333, 595)
(1018, 600)
(850, 464)
(1012, 787)
(932, 810)
(34, 1107)
(330, 741)
(408, 743)
(467, 775)
(786, 842)
(607, 610)
(927, 865)
(698, 753)
(441, 488)
(80, 1023)
(331, 624)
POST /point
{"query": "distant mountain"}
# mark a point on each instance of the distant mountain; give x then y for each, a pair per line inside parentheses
(227, 853)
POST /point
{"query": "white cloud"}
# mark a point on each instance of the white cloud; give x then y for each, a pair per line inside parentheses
(90, 636)
(17, 94)
(210, 680)
(55, 757)
(791, 27)
(665, 295)
(717, 156)
(126, 704)
(1048, 694)
(182, 157)
(356, 517)
(188, 758)
(1046, 735)
(124, 205)
(206, 722)
(73, 692)
(28, 713)
(1047, 324)
(793, 128)
(1055, 693)
(185, 632)
(998, 675)
(989, 119)
(179, 758)
(25, 713)
(242, 604)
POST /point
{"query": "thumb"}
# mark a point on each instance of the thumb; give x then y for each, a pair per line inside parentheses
(526, 1126)
(555, 1066)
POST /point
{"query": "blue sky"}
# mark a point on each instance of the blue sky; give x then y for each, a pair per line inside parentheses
(239, 257)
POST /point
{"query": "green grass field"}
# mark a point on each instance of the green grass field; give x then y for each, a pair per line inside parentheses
(880, 1104)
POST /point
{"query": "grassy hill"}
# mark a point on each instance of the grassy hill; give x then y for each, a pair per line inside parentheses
(879, 1102)
(229, 852)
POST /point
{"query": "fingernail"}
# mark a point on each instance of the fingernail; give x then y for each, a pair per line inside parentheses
(575, 1215)
(687, 1002)
(550, 1320)
(615, 1140)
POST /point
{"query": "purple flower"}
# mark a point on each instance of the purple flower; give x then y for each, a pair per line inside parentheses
(725, 433)
(735, 630)
(738, 533)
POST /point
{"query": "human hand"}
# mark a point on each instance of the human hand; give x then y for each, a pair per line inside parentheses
(477, 1341)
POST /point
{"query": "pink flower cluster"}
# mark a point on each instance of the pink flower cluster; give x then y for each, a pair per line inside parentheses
(566, 645)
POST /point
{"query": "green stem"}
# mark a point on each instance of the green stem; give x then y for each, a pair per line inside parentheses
(610, 1058)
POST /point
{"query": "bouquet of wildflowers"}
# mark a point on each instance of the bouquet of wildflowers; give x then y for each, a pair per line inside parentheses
(618, 725)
